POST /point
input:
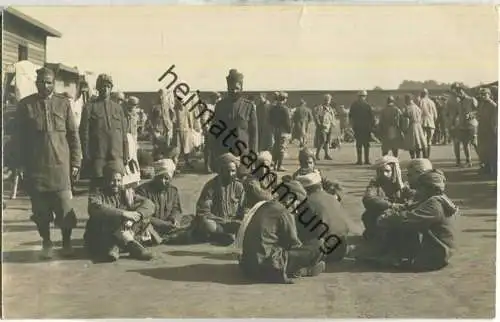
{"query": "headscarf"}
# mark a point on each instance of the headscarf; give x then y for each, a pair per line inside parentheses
(433, 180)
(164, 166)
(305, 154)
(296, 188)
(265, 156)
(226, 159)
(397, 178)
(310, 179)
(418, 166)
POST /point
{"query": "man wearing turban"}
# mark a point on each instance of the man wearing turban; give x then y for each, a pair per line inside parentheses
(103, 131)
(431, 220)
(49, 156)
(165, 196)
(262, 180)
(236, 118)
(271, 250)
(220, 207)
(487, 131)
(117, 219)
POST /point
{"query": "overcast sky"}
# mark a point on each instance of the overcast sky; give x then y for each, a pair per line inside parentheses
(277, 47)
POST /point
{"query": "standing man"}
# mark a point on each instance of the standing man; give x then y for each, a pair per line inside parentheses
(324, 121)
(487, 131)
(464, 123)
(389, 127)
(282, 127)
(362, 122)
(205, 123)
(131, 113)
(429, 118)
(265, 130)
(49, 155)
(103, 132)
(240, 117)
(302, 118)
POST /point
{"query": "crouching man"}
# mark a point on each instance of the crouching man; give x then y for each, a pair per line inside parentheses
(117, 219)
(271, 249)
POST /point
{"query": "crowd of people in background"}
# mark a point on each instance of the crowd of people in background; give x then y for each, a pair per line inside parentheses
(282, 226)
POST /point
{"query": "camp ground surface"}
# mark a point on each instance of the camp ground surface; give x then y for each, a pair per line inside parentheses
(204, 281)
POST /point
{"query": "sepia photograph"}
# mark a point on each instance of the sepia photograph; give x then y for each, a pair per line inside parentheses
(249, 161)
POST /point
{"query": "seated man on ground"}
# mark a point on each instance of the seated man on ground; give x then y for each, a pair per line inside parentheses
(385, 191)
(220, 207)
(432, 218)
(118, 219)
(165, 197)
(260, 183)
(322, 218)
(307, 163)
(271, 249)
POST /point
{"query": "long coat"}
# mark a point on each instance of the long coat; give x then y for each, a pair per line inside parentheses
(47, 141)
(265, 132)
(301, 119)
(239, 114)
(414, 134)
(103, 132)
(362, 120)
(487, 131)
(389, 127)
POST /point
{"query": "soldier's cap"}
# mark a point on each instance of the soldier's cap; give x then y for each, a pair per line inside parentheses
(133, 101)
(390, 99)
(234, 76)
(425, 91)
(103, 79)
(44, 71)
(282, 95)
(363, 93)
(327, 96)
(456, 86)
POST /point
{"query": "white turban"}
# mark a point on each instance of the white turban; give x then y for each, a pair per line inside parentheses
(164, 166)
(396, 169)
(265, 156)
(309, 179)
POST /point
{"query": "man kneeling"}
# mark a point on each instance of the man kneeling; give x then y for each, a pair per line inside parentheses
(271, 249)
(117, 218)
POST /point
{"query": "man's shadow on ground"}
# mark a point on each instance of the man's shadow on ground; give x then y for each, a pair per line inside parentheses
(32, 256)
(218, 256)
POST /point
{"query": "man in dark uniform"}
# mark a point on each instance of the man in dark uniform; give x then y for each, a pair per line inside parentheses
(265, 130)
(281, 124)
(103, 131)
(362, 122)
(49, 154)
(238, 116)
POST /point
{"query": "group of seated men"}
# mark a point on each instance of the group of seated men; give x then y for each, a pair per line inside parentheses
(284, 230)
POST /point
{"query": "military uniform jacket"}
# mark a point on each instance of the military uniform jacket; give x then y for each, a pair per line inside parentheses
(47, 142)
(240, 115)
(103, 132)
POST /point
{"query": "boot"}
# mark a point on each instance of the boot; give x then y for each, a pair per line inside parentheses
(138, 251)
(47, 247)
(314, 270)
(358, 154)
(327, 154)
(67, 248)
(280, 167)
(47, 250)
(367, 155)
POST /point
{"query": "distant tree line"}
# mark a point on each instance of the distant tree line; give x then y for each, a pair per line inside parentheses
(429, 84)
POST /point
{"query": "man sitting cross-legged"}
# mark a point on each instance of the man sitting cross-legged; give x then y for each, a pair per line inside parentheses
(117, 219)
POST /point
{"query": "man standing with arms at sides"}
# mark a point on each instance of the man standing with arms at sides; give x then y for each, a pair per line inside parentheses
(302, 118)
(49, 155)
(362, 122)
(239, 116)
(324, 120)
(429, 118)
(103, 132)
(205, 124)
(487, 131)
(462, 111)
(281, 125)
(265, 130)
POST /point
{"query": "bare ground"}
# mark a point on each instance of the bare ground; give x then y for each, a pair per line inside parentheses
(204, 281)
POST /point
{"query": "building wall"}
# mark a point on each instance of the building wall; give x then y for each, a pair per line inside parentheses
(61, 85)
(17, 32)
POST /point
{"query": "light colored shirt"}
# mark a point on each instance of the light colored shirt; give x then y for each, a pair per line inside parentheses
(429, 112)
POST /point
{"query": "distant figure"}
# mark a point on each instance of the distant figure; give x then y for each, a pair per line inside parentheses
(324, 121)
(415, 141)
(389, 128)
(301, 120)
(487, 131)
(362, 121)
(429, 118)
(281, 124)
(265, 130)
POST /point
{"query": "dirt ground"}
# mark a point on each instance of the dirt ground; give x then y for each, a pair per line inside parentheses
(204, 281)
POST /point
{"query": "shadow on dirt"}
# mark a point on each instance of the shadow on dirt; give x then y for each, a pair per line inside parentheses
(33, 256)
(207, 255)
